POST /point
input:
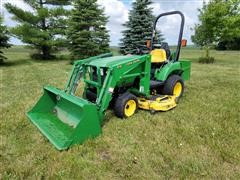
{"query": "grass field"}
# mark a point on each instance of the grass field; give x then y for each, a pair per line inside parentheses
(198, 139)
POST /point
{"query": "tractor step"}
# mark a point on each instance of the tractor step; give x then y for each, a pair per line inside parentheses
(156, 84)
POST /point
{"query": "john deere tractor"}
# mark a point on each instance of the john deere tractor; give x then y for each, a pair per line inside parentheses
(153, 81)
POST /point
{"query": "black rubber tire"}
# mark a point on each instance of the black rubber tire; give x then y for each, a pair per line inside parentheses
(120, 104)
(170, 83)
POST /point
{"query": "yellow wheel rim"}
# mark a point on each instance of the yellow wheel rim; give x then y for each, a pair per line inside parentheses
(177, 89)
(130, 108)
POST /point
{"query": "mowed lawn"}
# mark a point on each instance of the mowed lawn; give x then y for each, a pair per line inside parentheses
(200, 138)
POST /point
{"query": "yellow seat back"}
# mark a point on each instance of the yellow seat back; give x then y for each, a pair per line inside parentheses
(158, 56)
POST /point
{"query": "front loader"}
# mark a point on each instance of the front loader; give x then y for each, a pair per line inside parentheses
(152, 81)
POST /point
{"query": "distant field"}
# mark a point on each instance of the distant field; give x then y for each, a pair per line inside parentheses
(198, 139)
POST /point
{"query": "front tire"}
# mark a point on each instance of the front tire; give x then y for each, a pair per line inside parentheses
(174, 85)
(125, 105)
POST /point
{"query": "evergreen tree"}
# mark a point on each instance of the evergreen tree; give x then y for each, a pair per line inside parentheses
(43, 28)
(138, 27)
(158, 38)
(4, 38)
(87, 33)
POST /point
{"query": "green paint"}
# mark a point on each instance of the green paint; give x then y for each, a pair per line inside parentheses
(65, 119)
(181, 67)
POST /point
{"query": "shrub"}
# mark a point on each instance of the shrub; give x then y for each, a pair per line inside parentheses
(37, 56)
(206, 60)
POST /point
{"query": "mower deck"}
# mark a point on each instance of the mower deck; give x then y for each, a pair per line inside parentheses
(157, 103)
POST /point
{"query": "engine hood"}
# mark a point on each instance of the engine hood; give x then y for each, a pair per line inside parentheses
(113, 61)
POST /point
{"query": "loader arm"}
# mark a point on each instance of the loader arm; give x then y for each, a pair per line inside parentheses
(77, 71)
(138, 67)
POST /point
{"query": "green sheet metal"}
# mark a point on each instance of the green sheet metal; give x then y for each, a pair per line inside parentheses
(65, 119)
(113, 61)
(186, 68)
(181, 67)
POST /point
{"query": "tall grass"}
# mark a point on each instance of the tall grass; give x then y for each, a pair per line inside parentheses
(200, 138)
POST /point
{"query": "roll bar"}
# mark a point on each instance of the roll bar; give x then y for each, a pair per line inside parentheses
(180, 33)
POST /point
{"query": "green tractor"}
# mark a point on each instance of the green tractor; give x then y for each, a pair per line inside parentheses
(152, 81)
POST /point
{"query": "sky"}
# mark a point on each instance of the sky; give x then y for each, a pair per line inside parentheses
(117, 11)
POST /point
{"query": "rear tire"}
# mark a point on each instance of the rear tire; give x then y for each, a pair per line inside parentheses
(174, 85)
(125, 105)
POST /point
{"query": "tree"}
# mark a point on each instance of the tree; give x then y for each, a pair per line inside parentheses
(4, 38)
(43, 28)
(138, 27)
(87, 33)
(158, 38)
(219, 24)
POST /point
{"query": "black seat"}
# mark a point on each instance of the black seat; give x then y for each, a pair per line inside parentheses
(165, 46)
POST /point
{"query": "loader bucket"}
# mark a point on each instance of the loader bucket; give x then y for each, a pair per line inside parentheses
(65, 119)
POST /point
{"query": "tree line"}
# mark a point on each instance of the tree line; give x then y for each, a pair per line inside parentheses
(219, 25)
(4, 38)
(50, 26)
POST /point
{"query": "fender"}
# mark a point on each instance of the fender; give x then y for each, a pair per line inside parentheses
(163, 73)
